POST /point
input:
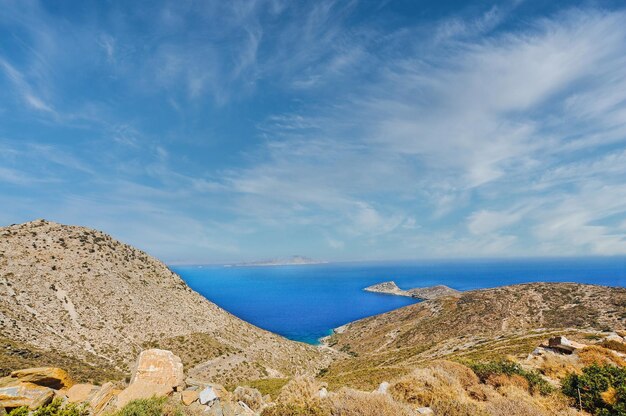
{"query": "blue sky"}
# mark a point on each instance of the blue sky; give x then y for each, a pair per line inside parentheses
(342, 130)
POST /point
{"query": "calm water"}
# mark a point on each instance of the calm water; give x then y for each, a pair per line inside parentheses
(305, 302)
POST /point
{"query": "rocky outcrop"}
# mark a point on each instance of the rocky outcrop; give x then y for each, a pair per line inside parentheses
(80, 393)
(52, 377)
(425, 293)
(100, 301)
(33, 387)
(20, 394)
(159, 367)
(157, 373)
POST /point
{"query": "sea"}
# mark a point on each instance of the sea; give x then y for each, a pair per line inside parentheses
(305, 302)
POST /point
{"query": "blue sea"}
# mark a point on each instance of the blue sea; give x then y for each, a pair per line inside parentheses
(304, 303)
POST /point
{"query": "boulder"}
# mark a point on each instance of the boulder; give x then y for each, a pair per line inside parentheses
(382, 388)
(425, 411)
(614, 337)
(142, 390)
(564, 345)
(55, 378)
(207, 395)
(81, 393)
(25, 394)
(159, 367)
(188, 397)
(102, 397)
(322, 393)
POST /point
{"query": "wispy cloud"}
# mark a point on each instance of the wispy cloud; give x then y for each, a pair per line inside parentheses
(248, 128)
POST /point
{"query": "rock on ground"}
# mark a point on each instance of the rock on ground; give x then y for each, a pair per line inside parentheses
(159, 367)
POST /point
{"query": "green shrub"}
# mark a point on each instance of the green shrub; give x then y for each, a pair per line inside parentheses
(19, 411)
(156, 406)
(509, 368)
(54, 408)
(600, 390)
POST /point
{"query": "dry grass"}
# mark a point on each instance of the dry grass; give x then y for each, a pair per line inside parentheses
(301, 391)
(251, 397)
(599, 355)
(614, 345)
(438, 388)
(348, 402)
(557, 366)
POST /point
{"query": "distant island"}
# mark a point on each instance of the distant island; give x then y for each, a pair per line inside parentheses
(426, 293)
(290, 261)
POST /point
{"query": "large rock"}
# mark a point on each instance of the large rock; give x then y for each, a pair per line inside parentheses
(81, 393)
(55, 378)
(188, 397)
(208, 395)
(102, 397)
(142, 390)
(25, 394)
(159, 367)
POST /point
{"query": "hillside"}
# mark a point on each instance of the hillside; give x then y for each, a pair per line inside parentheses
(76, 296)
(480, 324)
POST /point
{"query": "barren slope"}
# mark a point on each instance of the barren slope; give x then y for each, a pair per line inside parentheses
(84, 294)
(490, 323)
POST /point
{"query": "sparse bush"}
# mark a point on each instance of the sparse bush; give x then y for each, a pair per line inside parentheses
(600, 390)
(438, 389)
(54, 408)
(490, 369)
(348, 402)
(156, 406)
(19, 411)
(614, 345)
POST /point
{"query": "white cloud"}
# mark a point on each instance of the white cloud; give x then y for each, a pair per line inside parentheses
(486, 222)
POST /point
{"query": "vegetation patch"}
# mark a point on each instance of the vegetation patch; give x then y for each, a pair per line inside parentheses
(488, 370)
(54, 408)
(18, 355)
(600, 390)
(269, 386)
(192, 349)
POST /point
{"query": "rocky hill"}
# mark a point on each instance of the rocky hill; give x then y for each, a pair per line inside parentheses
(75, 297)
(478, 325)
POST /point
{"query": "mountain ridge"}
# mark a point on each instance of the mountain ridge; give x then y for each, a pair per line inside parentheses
(94, 298)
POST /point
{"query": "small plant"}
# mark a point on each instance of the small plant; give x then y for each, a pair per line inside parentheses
(600, 390)
(54, 408)
(156, 406)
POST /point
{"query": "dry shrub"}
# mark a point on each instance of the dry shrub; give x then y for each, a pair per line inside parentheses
(301, 391)
(502, 380)
(609, 396)
(557, 366)
(438, 389)
(614, 345)
(251, 397)
(516, 402)
(348, 402)
(463, 374)
(594, 354)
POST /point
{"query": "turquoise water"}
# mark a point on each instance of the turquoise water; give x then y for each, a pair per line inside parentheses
(305, 302)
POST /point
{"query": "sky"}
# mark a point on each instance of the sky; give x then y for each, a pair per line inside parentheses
(219, 131)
